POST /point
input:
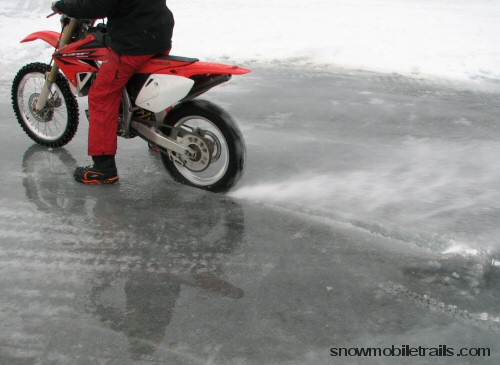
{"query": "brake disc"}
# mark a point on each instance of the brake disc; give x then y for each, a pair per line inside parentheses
(201, 152)
(42, 116)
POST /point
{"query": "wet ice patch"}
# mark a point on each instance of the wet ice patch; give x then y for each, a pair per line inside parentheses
(274, 120)
(463, 122)
(279, 118)
(376, 101)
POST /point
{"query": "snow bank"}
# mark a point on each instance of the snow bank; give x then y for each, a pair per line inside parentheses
(446, 39)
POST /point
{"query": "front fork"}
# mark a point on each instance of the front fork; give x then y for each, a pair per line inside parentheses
(51, 78)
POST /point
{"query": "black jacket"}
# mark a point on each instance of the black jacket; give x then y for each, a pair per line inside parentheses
(136, 27)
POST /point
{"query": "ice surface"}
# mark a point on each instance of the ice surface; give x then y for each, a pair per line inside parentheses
(419, 167)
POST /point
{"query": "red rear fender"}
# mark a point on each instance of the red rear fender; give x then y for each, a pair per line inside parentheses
(189, 67)
(48, 36)
(207, 68)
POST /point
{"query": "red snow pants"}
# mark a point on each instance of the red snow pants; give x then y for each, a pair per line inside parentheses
(105, 98)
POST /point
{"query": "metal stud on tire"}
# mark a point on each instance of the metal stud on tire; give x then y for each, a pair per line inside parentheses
(57, 124)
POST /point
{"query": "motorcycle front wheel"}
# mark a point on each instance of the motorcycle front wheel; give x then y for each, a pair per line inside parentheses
(212, 133)
(56, 124)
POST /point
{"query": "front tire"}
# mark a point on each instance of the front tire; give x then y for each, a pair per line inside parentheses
(211, 129)
(56, 125)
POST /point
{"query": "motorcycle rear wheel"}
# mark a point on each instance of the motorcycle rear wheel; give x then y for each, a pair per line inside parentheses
(56, 125)
(227, 149)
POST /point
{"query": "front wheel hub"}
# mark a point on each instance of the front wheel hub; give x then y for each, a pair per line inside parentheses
(42, 116)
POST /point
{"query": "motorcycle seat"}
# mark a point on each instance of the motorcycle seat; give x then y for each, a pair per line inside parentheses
(165, 57)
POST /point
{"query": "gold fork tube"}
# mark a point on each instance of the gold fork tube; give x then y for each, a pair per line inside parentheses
(69, 30)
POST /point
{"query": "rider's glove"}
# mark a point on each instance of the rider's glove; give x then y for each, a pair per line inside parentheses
(54, 7)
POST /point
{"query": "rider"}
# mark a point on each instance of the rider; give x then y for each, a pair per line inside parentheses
(139, 29)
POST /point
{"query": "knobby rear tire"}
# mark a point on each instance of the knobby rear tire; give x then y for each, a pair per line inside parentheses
(24, 117)
(232, 145)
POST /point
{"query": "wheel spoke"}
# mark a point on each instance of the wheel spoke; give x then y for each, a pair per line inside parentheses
(54, 125)
(49, 125)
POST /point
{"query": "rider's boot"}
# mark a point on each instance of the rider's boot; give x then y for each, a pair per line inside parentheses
(103, 172)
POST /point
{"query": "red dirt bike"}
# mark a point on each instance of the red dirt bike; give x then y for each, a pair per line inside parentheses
(200, 143)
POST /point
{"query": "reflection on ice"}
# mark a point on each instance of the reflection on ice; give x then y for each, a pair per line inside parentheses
(136, 251)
